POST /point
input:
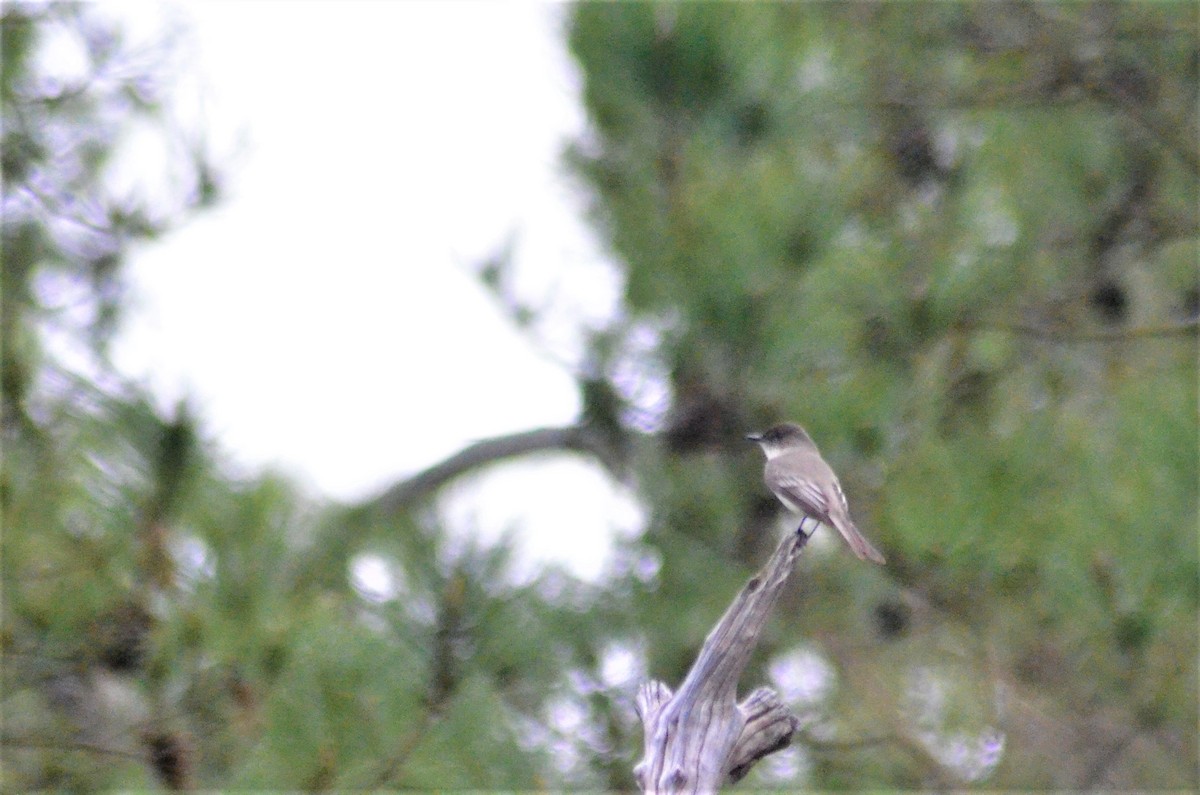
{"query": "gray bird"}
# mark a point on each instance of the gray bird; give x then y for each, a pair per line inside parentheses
(804, 483)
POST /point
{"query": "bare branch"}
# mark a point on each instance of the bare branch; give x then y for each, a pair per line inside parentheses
(580, 438)
(770, 726)
(699, 738)
(1188, 327)
(39, 743)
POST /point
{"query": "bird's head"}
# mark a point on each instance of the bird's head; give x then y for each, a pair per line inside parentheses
(782, 438)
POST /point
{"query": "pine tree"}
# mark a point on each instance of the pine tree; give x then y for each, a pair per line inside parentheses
(958, 242)
(167, 623)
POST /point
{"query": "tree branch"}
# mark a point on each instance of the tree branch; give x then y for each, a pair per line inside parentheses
(1150, 121)
(770, 726)
(699, 738)
(580, 438)
(55, 744)
(1180, 328)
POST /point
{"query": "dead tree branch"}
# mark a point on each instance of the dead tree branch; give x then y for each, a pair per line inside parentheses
(700, 738)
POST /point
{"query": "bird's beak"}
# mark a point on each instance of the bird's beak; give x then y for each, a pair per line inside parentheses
(754, 437)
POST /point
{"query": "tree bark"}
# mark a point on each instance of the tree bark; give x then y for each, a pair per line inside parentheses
(700, 738)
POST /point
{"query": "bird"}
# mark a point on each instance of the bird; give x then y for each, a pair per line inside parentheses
(804, 483)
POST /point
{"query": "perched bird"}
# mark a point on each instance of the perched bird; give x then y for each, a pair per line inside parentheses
(804, 483)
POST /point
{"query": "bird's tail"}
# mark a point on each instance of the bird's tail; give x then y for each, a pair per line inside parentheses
(861, 546)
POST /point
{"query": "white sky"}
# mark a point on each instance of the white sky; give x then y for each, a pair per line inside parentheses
(324, 315)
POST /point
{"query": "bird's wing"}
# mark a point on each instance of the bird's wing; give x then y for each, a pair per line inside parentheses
(826, 504)
(805, 495)
(836, 498)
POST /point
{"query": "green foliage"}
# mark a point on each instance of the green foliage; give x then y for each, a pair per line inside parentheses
(169, 624)
(957, 242)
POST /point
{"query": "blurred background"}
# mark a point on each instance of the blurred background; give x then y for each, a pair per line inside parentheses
(374, 379)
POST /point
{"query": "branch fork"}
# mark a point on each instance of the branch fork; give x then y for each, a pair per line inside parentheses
(700, 738)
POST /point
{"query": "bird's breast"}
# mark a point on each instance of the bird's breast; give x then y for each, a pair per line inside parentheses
(791, 506)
